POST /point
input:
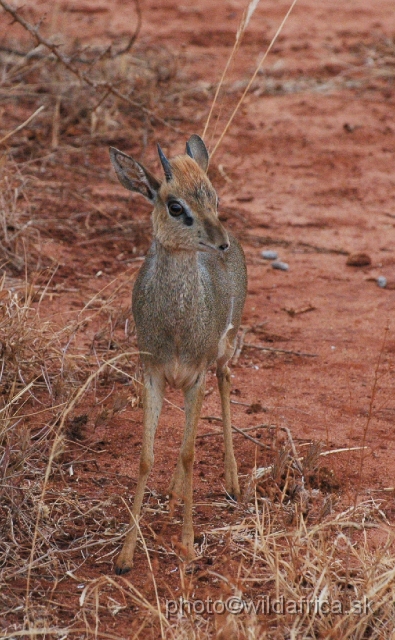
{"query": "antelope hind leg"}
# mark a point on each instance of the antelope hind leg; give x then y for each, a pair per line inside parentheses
(231, 477)
(193, 404)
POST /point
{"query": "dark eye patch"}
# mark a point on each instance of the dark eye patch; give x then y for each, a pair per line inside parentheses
(188, 220)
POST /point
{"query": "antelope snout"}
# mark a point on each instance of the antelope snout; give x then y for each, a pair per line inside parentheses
(222, 239)
(216, 237)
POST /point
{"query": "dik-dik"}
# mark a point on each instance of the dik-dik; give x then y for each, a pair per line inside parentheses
(187, 304)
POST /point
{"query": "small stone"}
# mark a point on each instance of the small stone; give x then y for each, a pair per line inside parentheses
(269, 255)
(283, 266)
(382, 281)
(358, 260)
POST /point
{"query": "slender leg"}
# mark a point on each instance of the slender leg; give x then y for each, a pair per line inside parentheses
(231, 478)
(154, 386)
(176, 486)
(193, 404)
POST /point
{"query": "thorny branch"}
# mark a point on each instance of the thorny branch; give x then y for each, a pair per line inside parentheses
(81, 75)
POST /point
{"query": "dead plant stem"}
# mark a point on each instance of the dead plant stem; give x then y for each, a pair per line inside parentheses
(370, 415)
(24, 124)
(239, 36)
(249, 345)
(260, 64)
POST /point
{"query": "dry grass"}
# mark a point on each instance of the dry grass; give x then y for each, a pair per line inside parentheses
(73, 109)
(317, 576)
(46, 372)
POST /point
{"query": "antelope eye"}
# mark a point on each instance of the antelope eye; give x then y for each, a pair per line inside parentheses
(175, 208)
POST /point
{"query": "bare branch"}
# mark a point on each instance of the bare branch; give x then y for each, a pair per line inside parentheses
(135, 35)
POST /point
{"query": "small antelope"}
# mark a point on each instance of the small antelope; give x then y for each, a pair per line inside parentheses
(187, 304)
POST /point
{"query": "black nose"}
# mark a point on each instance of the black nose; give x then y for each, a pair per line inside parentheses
(224, 247)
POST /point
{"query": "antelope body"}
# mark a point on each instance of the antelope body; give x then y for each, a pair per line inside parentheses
(187, 304)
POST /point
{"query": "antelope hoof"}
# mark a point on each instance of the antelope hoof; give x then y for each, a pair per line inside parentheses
(232, 496)
(121, 570)
(234, 493)
(123, 565)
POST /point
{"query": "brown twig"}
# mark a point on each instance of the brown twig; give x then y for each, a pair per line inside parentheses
(249, 345)
(279, 242)
(219, 433)
(135, 35)
(297, 312)
(242, 431)
(293, 449)
(21, 126)
(83, 77)
(242, 404)
(372, 400)
(90, 62)
(337, 252)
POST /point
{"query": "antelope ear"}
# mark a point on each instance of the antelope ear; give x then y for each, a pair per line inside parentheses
(197, 150)
(133, 176)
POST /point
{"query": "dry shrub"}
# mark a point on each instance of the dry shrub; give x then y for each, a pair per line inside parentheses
(111, 99)
(19, 239)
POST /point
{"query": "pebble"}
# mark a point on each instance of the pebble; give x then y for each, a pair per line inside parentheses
(269, 255)
(283, 266)
(359, 260)
(382, 281)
